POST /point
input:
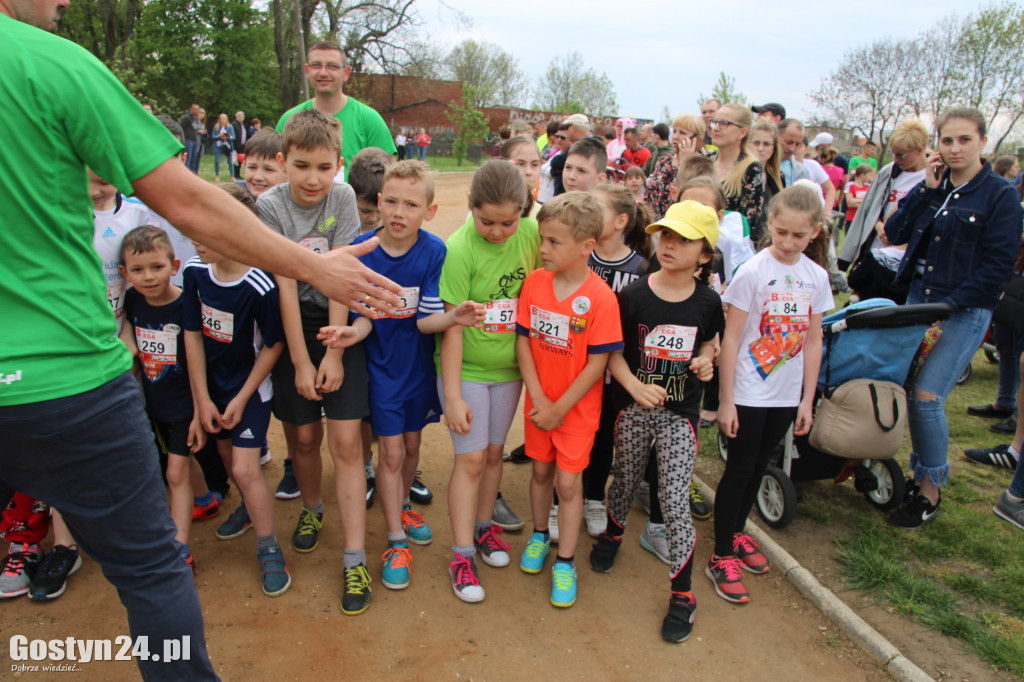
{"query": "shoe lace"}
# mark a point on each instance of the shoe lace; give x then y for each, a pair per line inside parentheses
(412, 519)
(745, 544)
(730, 566)
(309, 523)
(695, 495)
(239, 516)
(563, 577)
(491, 542)
(13, 563)
(56, 561)
(356, 579)
(535, 549)
(398, 557)
(464, 573)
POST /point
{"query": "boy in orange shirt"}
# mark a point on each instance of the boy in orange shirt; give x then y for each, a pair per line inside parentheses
(568, 322)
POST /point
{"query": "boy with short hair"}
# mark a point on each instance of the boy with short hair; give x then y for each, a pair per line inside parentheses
(366, 175)
(313, 210)
(263, 169)
(585, 165)
(153, 329)
(400, 351)
(233, 338)
(568, 323)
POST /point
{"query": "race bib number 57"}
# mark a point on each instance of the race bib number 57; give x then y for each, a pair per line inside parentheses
(500, 315)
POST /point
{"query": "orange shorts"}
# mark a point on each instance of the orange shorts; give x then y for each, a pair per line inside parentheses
(569, 451)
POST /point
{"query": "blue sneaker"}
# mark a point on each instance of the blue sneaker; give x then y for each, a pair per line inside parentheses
(236, 524)
(534, 554)
(415, 527)
(397, 566)
(288, 488)
(563, 584)
(274, 574)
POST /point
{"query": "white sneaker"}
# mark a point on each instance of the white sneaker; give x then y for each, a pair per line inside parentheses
(553, 524)
(655, 541)
(596, 516)
(642, 496)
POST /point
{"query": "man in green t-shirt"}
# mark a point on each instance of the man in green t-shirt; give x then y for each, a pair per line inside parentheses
(71, 420)
(361, 126)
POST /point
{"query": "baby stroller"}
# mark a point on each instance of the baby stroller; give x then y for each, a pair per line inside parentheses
(873, 339)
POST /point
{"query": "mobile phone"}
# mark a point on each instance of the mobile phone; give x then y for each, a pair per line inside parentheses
(937, 171)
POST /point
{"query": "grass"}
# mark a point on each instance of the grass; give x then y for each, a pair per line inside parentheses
(962, 575)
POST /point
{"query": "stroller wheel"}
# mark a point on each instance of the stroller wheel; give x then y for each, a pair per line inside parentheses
(891, 488)
(992, 356)
(776, 498)
(965, 375)
(723, 446)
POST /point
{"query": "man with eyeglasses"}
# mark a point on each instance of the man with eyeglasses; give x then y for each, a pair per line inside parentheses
(327, 69)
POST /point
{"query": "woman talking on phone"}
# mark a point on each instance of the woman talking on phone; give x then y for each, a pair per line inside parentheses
(962, 226)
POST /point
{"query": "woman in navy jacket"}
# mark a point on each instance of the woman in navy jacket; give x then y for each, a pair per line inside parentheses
(962, 226)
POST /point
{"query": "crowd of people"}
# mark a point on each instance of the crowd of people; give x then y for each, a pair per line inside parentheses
(640, 285)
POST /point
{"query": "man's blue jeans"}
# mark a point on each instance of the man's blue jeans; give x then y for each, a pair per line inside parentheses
(92, 457)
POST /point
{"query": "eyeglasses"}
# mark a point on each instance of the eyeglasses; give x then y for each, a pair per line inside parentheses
(330, 66)
(900, 157)
(561, 137)
(722, 123)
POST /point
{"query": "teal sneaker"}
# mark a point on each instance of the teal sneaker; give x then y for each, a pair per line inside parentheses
(397, 566)
(415, 527)
(534, 554)
(563, 584)
(275, 577)
(236, 524)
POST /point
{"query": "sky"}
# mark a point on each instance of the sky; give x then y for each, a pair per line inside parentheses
(664, 54)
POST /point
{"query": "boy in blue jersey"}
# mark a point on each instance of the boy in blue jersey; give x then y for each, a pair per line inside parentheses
(233, 338)
(154, 331)
(311, 382)
(400, 352)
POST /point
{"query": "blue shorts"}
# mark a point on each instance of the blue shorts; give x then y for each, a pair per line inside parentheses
(251, 430)
(393, 418)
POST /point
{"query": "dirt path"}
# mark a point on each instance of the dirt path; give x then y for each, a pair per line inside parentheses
(425, 633)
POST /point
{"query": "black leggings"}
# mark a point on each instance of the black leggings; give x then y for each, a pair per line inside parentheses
(761, 429)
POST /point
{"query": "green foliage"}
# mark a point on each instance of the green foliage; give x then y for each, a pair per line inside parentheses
(470, 123)
(724, 91)
(493, 73)
(568, 86)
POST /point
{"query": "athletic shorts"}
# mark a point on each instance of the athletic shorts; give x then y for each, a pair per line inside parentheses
(251, 430)
(569, 451)
(494, 407)
(348, 402)
(393, 418)
(172, 437)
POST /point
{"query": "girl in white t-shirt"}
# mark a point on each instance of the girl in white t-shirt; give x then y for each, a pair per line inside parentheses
(768, 370)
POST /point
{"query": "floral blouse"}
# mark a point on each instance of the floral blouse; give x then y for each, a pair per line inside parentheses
(659, 186)
(750, 200)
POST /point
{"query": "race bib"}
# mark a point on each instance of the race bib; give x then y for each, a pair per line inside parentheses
(795, 306)
(218, 325)
(409, 304)
(116, 301)
(550, 328)
(670, 342)
(315, 244)
(500, 315)
(157, 349)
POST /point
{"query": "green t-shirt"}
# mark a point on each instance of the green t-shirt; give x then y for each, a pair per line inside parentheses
(475, 269)
(858, 160)
(361, 127)
(62, 110)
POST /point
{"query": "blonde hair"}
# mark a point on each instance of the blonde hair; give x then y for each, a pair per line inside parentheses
(704, 182)
(909, 135)
(582, 212)
(417, 171)
(806, 199)
(771, 168)
(311, 130)
(733, 183)
(695, 124)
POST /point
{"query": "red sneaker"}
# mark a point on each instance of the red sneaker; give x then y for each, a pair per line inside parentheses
(748, 552)
(201, 512)
(726, 574)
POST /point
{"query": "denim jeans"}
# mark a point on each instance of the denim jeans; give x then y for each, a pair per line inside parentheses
(422, 149)
(1009, 347)
(92, 456)
(192, 156)
(217, 152)
(961, 336)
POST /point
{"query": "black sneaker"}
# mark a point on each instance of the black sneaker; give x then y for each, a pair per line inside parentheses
(999, 456)
(915, 513)
(356, 597)
(371, 490)
(699, 509)
(518, 456)
(1007, 426)
(51, 578)
(602, 557)
(307, 533)
(678, 623)
(419, 492)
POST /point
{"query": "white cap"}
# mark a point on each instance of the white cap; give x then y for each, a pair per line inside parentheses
(822, 138)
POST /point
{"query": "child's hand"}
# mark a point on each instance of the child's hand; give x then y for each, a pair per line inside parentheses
(196, 435)
(331, 374)
(470, 314)
(209, 417)
(546, 417)
(232, 413)
(728, 421)
(458, 416)
(702, 367)
(804, 417)
(337, 336)
(648, 395)
(305, 381)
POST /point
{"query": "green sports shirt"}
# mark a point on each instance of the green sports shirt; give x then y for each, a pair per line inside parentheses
(62, 111)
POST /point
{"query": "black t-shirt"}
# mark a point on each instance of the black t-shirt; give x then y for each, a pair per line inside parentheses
(160, 336)
(660, 337)
(618, 274)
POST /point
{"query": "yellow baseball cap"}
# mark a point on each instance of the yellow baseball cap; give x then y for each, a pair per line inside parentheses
(691, 220)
